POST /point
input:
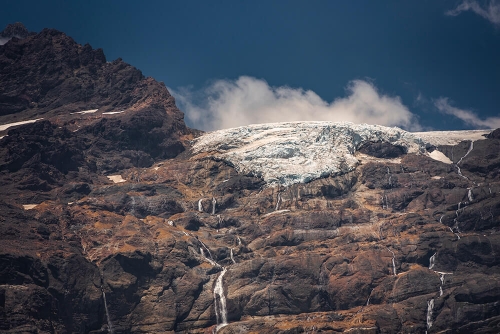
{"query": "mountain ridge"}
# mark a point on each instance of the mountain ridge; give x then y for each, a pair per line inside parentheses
(118, 218)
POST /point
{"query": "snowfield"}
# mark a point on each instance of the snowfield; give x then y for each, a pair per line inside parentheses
(299, 152)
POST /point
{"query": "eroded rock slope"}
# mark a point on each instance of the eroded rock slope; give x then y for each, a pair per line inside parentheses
(121, 223)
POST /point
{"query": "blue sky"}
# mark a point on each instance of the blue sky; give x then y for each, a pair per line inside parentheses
(416, 64)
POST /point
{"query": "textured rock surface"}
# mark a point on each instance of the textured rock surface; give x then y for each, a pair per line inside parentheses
(364, 250)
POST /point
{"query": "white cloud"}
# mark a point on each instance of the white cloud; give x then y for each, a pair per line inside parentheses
(247, 100)
(490, 12)
(467, 116)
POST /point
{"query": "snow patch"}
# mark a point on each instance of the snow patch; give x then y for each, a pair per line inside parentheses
(29, 206)
(6, 126)
(439, 156)
(274, 213)
(116, 178)
(91, 111)
(438, 138)
(113, 112)
(298, 152)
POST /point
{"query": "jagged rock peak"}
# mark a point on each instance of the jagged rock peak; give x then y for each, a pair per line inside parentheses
(49, 74)
(17, 30)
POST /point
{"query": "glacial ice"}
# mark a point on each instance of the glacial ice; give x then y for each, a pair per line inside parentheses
(298, 152)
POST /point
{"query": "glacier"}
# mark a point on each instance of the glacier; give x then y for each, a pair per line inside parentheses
(299, 152)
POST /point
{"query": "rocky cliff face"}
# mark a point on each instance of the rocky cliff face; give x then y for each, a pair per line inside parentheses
(118, 222)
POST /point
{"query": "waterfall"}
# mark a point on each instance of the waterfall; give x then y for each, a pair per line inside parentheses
(214, 203)
(441, 278)
(390, 177)
(368, 301)
(239, 240)
(219, 222)
(430, 306)
(431, 261)
(110, 325)
(393, 262)
(469, 194)
(466, 154)
(278, 202)
(232, 258)
(211, 261)
(385, 204)
(220, 301)
(200, 206)
(459, 161)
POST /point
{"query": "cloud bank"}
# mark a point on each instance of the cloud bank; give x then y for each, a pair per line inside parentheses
(467, 116)
(490, 12)
(248, 100)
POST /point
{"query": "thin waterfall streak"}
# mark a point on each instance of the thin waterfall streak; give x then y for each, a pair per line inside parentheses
(431, 261)
(430, 306)
(110, 325)
(393, 261)
(278, 202)
(232, 257)
(220, 301)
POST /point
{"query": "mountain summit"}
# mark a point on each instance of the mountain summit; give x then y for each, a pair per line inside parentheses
(17, 30)
(117, 218)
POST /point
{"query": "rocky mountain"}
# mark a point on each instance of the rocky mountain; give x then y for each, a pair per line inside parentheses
(17, 30)
(117, 218)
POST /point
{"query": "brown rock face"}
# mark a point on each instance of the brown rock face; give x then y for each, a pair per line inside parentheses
(174, 242)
